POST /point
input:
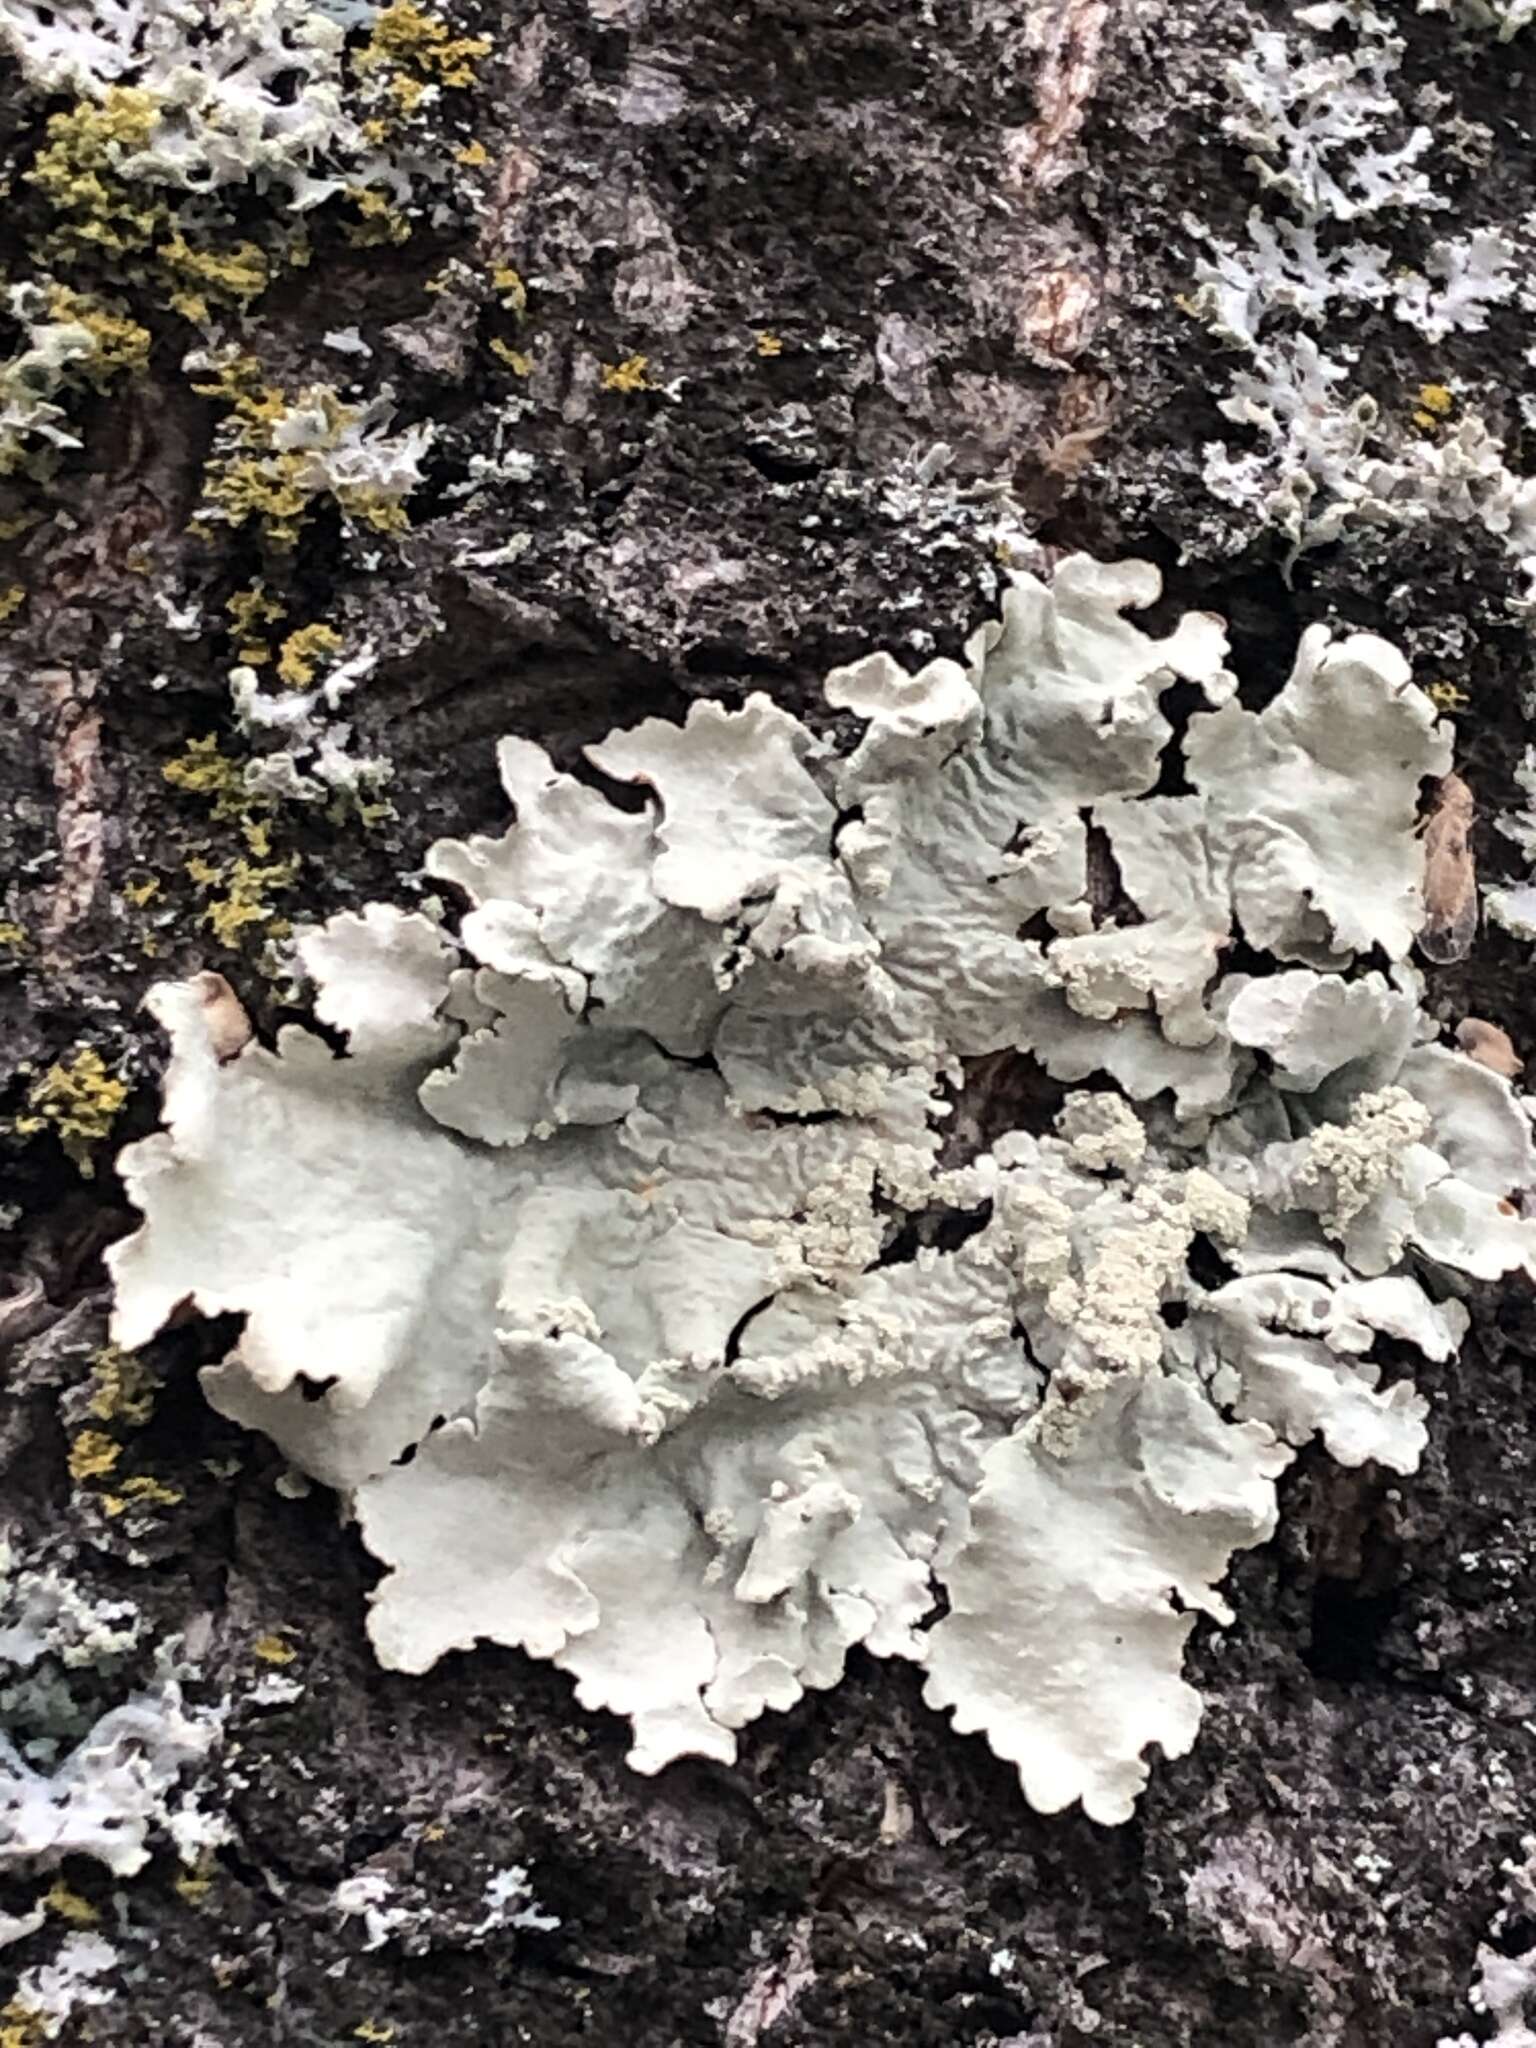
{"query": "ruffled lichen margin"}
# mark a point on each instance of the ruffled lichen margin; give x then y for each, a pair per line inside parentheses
(670, 1313)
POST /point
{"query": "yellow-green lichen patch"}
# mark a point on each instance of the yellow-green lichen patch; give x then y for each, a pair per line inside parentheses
(305, 652)
(250, 613)
(277, 459)
(410, 48)
(79, 172)
(241, 893)
(122, 1388)
(1433, 407)
(140, 888)
(273, 1648)
(70, 1905)
(629, 375)
(92, 1455)
(122, 344)
(205, 278)
(142, 1492)
(203, 769)
(79, 1099)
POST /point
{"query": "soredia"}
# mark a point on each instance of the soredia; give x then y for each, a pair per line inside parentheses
(685, 1309)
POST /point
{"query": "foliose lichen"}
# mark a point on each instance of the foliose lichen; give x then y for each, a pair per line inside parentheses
(654, 1278)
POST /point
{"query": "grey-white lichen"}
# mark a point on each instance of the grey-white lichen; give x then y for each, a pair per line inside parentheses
(677, 1310)
(1341, 170)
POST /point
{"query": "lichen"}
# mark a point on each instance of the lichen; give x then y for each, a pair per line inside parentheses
(626, 1213)
(78, 1099)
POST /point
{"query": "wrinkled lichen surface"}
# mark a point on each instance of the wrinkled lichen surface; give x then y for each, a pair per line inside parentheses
(396, 380)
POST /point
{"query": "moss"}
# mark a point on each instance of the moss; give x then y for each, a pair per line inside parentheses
(626, 376)
(79, 1100)
(92, 1455)
(303, 652)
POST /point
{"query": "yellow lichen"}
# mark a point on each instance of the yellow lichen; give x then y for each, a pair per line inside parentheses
(21, 2026)
(1433, 407)
(228, 277)
(13, 937)
(769, 345)
(70, 1906)
(381, 222)
(1446, 696)
(92, 1455)
(79, 1100)
(245, 899)
(12, 598)
(195, 1884)
(272, 1649)
(15, 524)
(473, 154)
(406, 39)
(374, 508)
(202, 769)
(251, 610)
(520, 364)
(141, 889)
(121, 344)
(303, 651)
(142, 1491)
(123, 1388)
(264, 488)
(241, 383)
(510, 289)
(374, 2030)
(78, 172)
(626, 376)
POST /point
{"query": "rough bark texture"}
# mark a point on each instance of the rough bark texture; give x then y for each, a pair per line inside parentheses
(839, 231)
